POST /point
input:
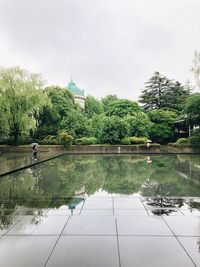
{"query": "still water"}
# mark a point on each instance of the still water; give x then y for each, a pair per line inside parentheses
(70, 175)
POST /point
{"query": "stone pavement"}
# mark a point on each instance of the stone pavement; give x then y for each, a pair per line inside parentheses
(112, 231)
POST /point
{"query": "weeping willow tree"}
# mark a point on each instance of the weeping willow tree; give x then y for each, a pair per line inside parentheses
(21, 99)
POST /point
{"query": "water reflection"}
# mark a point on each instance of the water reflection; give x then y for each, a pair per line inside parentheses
(165, 182)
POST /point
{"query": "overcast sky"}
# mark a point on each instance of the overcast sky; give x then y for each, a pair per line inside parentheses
(108, 46)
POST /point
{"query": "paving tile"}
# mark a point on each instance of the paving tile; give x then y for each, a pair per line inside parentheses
(93, 198)
(7, 222)
(103, 204)
(96, 212)
(33, 225)
(63, 212)
(152, 252)
(131, 203)
(130, 212)
(85, 251)
(142, 225)
(192, 246)
(190, 212)
(91, 225)
(25, 251)
(185, 225)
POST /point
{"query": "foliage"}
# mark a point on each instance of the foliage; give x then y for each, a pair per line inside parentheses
(163, 93)
(93, 106)
(137, 140)
(126, 141)
(113, 130)
(107, 101)
(75, 123)
(122, 108)
(182, 142)
(65, 138)
(162, 127)
(50, 140)
(134, 140)
(139, 124)
(21, 100)
(86, 141)
(95, 125)
(49, 119)
(194, 139)
(192, 109)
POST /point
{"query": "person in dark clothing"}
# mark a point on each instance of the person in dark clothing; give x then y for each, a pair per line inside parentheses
(34, 152)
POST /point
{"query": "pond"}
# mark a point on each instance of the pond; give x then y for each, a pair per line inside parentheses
(65, 210)
(69, 175)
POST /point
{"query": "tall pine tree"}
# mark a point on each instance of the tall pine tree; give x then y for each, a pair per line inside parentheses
(163, 93)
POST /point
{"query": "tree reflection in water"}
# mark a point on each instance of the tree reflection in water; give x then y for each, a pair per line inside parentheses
(165, 182)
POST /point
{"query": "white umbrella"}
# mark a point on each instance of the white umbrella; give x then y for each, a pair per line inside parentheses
(149, 141)
(34, 144)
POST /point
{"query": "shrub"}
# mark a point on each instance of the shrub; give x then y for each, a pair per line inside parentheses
(50, 140)
(137, 140)
(182, 142)
(65, 139)
(126, 141)
(194, 140)
(86, 141)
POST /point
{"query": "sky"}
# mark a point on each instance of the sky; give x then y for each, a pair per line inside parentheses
(107, 46)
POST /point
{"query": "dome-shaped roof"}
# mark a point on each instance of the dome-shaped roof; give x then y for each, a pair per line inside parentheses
(74, 89)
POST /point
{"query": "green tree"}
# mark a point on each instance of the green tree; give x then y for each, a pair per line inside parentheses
(75, 124)
(162, 126)
(49, 119)
(113, 130)
(107, 101)
(93, 106)
(162, 93)
(122, 108)
(139, 124)
(192, 109)
(22, 98)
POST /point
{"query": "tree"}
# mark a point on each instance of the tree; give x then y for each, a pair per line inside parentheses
(113, 130)
(162, 93)
(192, 109)
(196, 68)
(162, 127)
(93, 106)
(22, 98)
(139, 124)
(75, 124)
(49, 119)
(122, 108)
(107, 101)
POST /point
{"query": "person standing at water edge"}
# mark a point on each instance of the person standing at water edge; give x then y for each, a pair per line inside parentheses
(34, 152)
(148, 146)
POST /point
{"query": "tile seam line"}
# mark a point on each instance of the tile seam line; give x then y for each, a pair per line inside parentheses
(119, 256)
(80, 211)
(13, 225)
(180, 243)
(113, 206)
(56, 243)
(144, 206)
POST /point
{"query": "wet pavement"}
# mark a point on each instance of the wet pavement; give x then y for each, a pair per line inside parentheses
(102, 231)
(14, 161)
